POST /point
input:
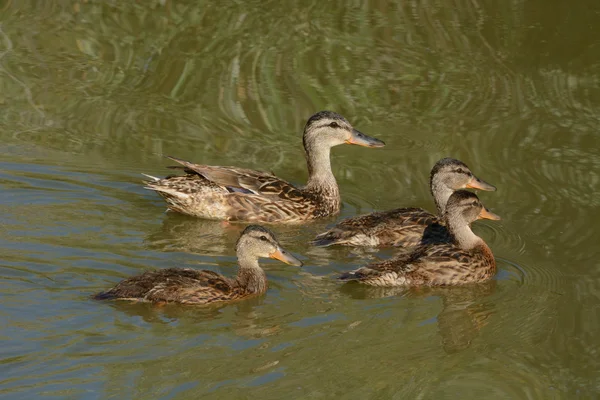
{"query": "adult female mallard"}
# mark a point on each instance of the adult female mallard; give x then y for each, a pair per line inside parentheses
(190, 286)
(466, 259)
(406, 227)
(236, 194)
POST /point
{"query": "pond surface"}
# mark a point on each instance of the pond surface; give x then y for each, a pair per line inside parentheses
(94, 93)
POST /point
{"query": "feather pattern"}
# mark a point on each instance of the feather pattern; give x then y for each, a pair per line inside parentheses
(179, 285)
(189, 286)
(239, 194)
(406, 227)
(465, 258)
(429, 265)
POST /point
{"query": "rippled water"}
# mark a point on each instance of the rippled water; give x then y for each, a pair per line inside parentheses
(94, 93)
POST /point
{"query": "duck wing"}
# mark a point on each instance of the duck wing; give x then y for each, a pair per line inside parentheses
(181, 285)
(442, 264)
(399, 227)
(243, 180)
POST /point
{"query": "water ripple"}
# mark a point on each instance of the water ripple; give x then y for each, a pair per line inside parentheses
(94, 93)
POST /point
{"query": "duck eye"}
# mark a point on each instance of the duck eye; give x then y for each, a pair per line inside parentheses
(460, 171)
(334, 125)
(264, 238)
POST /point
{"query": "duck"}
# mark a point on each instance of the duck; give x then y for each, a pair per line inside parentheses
(406, 227)
(190, 286)
(244, 195)
(465, 259)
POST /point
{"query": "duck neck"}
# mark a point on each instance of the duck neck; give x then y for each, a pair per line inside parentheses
(251, 277)
(462, 234)
(441, 193)
(320, 175)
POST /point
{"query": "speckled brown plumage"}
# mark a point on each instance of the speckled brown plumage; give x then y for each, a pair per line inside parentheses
(238, 194)
(178, 285)
(400, 227)
(406, 227)
(466, 259)
(189, 286)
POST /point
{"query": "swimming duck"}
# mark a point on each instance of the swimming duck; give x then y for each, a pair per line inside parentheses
(466, 259)
(190, 286)
(237, 194)
(407, 227)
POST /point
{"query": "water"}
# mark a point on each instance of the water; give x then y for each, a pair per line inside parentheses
(94, 93)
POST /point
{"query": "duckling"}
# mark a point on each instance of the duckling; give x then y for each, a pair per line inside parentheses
(190, 286)
(406, 227)
(237, 194)
(465, 259)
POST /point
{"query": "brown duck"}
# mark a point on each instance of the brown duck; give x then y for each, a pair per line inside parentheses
(407, 227)
(190, 286)
(237, 194)
(466, 259)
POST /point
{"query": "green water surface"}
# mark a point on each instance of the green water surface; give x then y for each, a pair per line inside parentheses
(93, 93)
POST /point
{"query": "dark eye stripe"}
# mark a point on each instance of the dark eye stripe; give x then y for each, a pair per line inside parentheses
(331, 125)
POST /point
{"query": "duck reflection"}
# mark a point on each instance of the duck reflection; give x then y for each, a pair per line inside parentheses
(248, 322)
(192, 235)
(464, 313)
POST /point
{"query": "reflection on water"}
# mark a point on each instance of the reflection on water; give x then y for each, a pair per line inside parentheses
(180, 233)
(245, 324)
(463, 314)
(92, 94)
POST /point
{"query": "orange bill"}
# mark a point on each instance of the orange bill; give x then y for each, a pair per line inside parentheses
(476, 183)
(286, 257)
(361, 139)
(487, 214)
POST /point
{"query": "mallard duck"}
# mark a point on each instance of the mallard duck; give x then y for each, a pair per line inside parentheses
(190, 286)
(406, 227)
(465, 259)
(236, 194)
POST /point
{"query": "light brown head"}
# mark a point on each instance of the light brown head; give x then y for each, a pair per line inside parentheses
(258, 242)
(462, 209)
(328, 129)
(466, 207)
(449, 175)
(455, 174)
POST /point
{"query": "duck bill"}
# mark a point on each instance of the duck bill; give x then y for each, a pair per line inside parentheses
(361, 139)
(286, 257)
(476, 183)
(487, 214)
